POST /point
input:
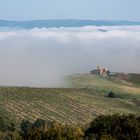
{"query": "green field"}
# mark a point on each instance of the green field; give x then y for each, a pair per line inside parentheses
(134, 78)
(84, 100)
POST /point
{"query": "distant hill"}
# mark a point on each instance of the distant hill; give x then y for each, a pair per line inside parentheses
(64, 23)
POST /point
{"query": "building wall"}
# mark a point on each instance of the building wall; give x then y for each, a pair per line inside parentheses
(100, 71)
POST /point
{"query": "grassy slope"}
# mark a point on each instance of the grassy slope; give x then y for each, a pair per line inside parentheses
(134, 78)
(87, 99)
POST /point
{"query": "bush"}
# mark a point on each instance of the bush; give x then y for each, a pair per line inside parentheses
(58, 131)
(111, 94)
(119, 127)
(39, 130)
(39, 123)
(25, 127)
(10, 136)
(2, 124)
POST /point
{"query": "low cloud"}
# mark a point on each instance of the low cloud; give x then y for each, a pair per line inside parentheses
(42, 57)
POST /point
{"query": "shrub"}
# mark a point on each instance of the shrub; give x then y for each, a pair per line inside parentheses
(2, 124)
(25, 127)
(119, 127)
(39, 123)
(111, 94)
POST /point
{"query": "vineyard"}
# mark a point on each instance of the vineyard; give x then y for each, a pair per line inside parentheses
(77, 105)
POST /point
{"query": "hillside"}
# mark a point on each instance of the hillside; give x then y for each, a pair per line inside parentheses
(134, 78)
(77, 105)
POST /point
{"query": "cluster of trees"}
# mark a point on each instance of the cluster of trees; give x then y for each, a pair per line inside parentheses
(40, 130)
(114, 127)
(110, 127)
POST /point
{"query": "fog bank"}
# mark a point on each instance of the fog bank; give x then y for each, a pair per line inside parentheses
(42, 57)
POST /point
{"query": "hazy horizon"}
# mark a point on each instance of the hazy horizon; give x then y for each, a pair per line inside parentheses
(72, 18)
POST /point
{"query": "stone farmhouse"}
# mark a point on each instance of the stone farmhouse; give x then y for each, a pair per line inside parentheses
(100, 71)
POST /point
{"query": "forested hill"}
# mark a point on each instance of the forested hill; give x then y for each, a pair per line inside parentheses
(64, 23)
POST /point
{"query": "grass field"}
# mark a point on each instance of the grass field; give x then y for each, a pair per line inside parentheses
(86, 99)
(134, 78)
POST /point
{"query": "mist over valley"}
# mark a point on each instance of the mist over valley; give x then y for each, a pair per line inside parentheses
(42, 57)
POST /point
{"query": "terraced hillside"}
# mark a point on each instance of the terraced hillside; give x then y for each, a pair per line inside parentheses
(77, 105)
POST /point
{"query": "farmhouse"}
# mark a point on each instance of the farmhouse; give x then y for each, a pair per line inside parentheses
(100, 71)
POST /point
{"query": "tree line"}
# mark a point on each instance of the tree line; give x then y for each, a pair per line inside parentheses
(104, 127)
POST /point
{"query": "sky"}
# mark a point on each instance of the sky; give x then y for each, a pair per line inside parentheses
(43, 57)
(64, 9)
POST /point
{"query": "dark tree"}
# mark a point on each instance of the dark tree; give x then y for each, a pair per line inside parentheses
(119, 127)
(25, 127)
(39, 123)
(2, 124)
